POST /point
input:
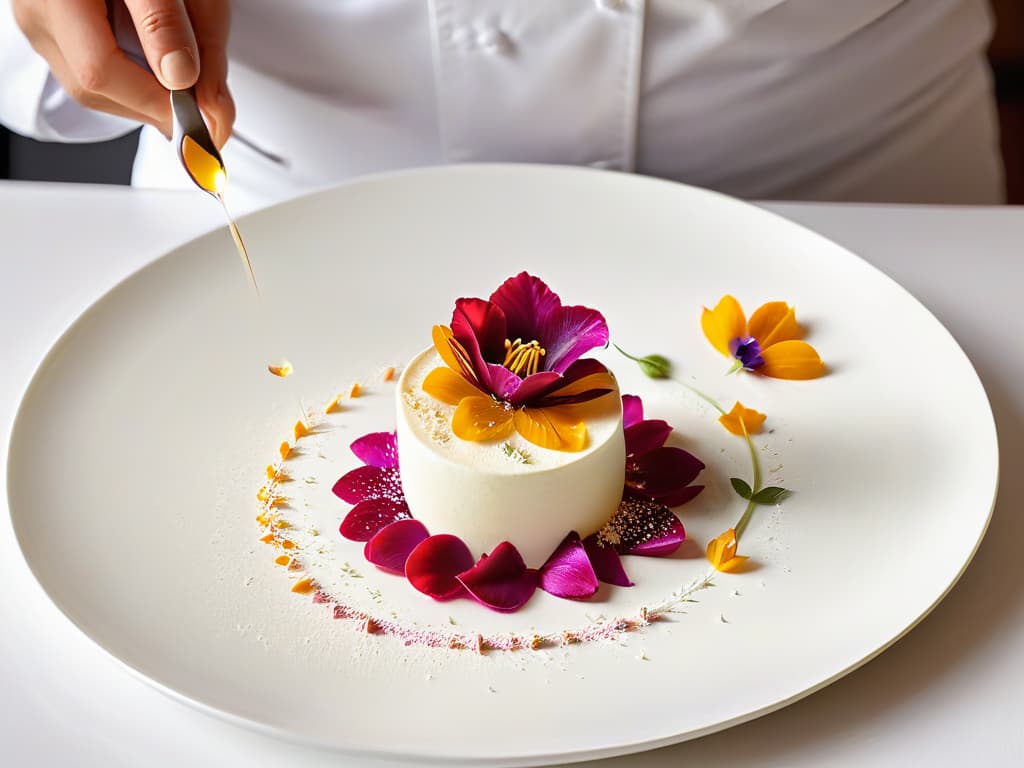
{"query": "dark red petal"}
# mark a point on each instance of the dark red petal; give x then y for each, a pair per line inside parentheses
(548, 395)
(662, 473)
(632, 410)
(568, 572)
(679, 497)
(643, 527)
(645, 436)
(390, 547)
(378, 449)
(528, 303)
(494, 379)
(484, 322)
(534, 387)
(364, 483)
(368, 517)
(432, 567)
(500, 581)
(606, 562)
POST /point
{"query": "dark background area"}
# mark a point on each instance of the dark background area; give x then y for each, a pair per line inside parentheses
(110, 162)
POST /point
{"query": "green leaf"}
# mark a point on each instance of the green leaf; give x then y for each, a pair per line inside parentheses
(770, 495)
(741, 487)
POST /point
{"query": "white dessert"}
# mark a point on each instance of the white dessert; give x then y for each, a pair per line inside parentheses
(505, 490)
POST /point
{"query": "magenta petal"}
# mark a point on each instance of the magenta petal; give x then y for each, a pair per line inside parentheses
(484, 322)
(432, 567)
(645, 436)
(369, 517)
(390, 547)
(364, 483)
(645, 527)
(533, 387)
(541, 389)
(570, 333)
(662, 474)
(500, 581)
(568, 572)
(632, 410)
(528, 303)
(681, 496)
(378, 449)
(606, 562)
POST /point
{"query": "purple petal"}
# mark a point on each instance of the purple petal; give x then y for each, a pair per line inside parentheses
(500, 581)
(632, 410)
(681, 496)
(642, 527)
(432, 567)
(570, 333)
(484, 322)
(568, 572)
(391, 546)
(748, 352)
(369, 517)
(582, 397)
(378, 449)
(534, 387)
(645, 436)
(528, 304)
(364, 483)
(662, 473)
(578, 370)
(606, 562)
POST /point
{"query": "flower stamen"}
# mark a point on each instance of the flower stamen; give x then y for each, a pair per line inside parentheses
(523, 359)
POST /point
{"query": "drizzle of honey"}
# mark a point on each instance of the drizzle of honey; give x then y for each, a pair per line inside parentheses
(209, 173)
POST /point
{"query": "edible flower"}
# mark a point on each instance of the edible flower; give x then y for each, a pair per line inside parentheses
(742, 421)
(514, 364)
(769, 344)
(722, 552)
(442, 566)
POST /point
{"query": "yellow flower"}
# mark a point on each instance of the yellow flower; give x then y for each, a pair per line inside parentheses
(742, 420)
(722, 552)
(768, 344)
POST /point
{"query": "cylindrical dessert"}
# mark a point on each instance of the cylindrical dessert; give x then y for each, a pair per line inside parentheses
(510, 489)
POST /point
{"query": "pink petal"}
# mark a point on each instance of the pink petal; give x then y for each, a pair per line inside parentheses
(632, 410)
(568, 572)
(528, 303)
(432, 567)
(606, 562)
(390, 547)
(645, 527)
(378, 449)
(645, 436)
(484, 322)
(534, 387)
(541, 389)
(663, 474)
(368, 517)
(570, 333)
(364, 483)
(500, 581)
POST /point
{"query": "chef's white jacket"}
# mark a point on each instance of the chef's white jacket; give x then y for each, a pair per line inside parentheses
(881, 100)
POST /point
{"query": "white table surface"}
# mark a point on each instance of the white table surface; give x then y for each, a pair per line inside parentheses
(950, 693)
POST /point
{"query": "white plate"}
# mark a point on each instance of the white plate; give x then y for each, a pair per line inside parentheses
(140, 442)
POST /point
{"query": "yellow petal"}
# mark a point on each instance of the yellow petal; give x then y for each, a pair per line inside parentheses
(555, 428)
(741, 417)
(480, 418)
(774, 322)
(791, 360)
(722, 551)
(593, 381)
(450, 387)
(724, 323)
(443, 341)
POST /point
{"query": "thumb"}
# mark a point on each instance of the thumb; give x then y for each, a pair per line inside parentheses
(166, 35)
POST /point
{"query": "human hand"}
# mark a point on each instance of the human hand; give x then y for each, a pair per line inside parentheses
(185, 42)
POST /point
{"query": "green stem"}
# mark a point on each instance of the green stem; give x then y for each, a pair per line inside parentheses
(741, 526)
(706, 398)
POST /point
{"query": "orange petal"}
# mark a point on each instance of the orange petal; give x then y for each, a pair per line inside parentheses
(791, 360)
(593, 381)
(285, 450)
(774, 322)
(300, 429)
(480, 418)
(722, 549)
(555, 428)
(741, 417)
(303, 586)
(389, 373)
(724, 323)
(334, 405)
(356, 390)
(443, 341)
(450, 387)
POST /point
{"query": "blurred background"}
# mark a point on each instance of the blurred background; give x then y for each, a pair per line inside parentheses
(110, 162)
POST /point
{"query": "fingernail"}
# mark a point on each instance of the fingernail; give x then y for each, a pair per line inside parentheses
(178, 69)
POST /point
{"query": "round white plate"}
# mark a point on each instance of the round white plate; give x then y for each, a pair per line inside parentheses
(141, 441)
